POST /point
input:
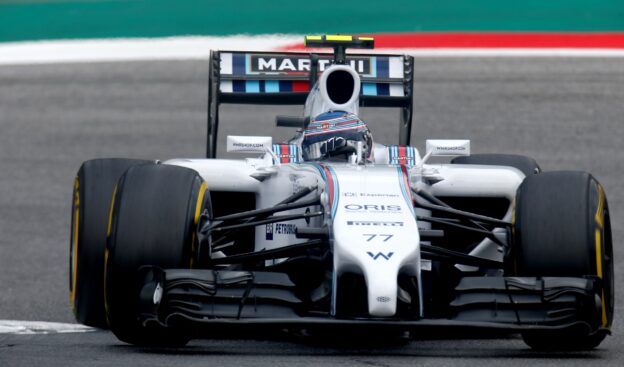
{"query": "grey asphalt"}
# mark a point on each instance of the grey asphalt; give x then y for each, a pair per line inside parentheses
(568, 113)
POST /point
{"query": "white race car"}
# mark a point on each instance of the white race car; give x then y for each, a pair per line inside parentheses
(330, 230)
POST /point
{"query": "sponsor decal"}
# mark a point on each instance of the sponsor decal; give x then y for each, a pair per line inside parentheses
(380, 255)
(374, 223)
(294, 63)
(269, 232)
(284, 228)
(248, 145)
(373, 208)
(457, 148)
(273, 229)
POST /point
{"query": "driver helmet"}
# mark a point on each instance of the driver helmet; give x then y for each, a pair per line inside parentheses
(336, 134)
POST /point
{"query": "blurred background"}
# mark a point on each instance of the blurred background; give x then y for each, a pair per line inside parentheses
(65, 19)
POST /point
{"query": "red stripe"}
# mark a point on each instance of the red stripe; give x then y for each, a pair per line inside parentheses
(594, 40)
(406, 181)
(330, 183)
(285, 154)
(402, 154)
(299, 86)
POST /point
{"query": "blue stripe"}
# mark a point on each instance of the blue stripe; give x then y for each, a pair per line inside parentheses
(383, 67)
(383, 89)
(238, 85)
(369, 89)
(271, 86)
(262, 86)
(238, 64)
(336, 192)
(285, 86)
(403, 190)
(253, 86)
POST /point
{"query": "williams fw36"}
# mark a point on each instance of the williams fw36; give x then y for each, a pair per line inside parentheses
(332, 230)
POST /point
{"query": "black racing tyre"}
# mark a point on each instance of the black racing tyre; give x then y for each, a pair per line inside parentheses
(562, 229)
(526, 165)
(153, 221)
(93, 191)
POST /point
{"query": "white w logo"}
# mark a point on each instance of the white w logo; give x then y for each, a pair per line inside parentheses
(380, 254)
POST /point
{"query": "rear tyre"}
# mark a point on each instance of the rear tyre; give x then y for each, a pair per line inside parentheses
(526, 165)
(562, 229)
(154, 218)
(93, 190)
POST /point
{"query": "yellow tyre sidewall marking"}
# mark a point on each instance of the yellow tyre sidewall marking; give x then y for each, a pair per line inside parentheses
(108, 233)
(198, 208)
(599, 219)
(74, 246)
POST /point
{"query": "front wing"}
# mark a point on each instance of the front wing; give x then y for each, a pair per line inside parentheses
(209, 300)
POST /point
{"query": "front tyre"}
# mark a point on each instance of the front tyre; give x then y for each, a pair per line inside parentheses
(93, 190)
(154, 218)
(562, 229)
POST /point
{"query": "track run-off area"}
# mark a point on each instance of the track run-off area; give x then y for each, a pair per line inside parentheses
(564, 107)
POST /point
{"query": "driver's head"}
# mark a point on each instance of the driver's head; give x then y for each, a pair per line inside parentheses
(336, 134)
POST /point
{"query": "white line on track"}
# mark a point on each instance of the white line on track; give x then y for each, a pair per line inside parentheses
(105, 50)
(192, 48)
(40, 327)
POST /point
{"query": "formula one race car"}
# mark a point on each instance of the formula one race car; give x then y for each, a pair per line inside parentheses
(333, 231)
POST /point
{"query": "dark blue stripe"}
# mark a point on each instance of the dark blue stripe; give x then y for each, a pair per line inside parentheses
(383, 89)
(383, 67)
(238, 85)
(262, 90)
(285, 86)
(238, 64)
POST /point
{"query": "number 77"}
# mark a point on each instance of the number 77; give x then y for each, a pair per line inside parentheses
(371, 237)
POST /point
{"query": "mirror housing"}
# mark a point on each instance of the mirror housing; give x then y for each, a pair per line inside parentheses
(447, 148)
(249, 144)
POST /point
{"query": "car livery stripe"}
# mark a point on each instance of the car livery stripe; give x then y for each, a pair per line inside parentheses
(294, 151)
(403, 155)
(404, 184)
(239, 62)
(334, 191)
(369, 89)
(382, 89)
(263, 86)
(383, 67)
(300, 86)
(287, 153)
(329, 176)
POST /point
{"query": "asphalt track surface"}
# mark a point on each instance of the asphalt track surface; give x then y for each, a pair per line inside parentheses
(566, 113)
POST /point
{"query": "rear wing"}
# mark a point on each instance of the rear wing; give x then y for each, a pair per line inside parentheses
(274, 78)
